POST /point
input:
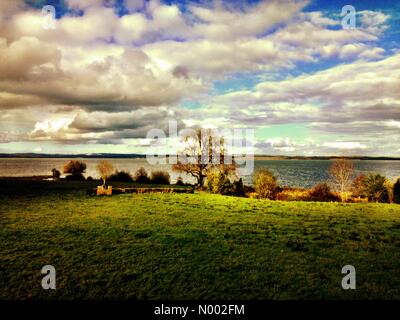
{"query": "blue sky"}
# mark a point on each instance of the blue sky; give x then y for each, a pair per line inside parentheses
(111, 71)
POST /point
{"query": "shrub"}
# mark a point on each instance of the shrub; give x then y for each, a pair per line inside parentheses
(74, 167)
(75, 177)
(358, 187)
(293, 194)
(179, 181)
(396, 192)
(265, 184)
(89, 178)
(121, 176)
(238, 188)
(56, 174)
(322, 192)
(376, 190)
(141, 176)
(389, 185)
(218, 182)
(160, 177)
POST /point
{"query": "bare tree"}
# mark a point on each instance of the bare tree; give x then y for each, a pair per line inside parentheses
(341, 172)
(105, 169)
(203, 151)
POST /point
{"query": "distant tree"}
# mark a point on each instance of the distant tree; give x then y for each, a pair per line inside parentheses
(396, 192)
(105, 169)
(199, 150)
(341, 172)
(265, 184)
(75, 168)
(56, 174)
(141, 176)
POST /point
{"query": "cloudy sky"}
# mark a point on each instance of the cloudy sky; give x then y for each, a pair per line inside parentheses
(112, 70)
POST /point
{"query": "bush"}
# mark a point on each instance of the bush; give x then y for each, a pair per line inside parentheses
(179, 181)
(218, 182)
(376, 190)
(293, 194)
(358, 187)
(396, 192)
(74, 167)
(265, 184)
(160, 177)
(56, 174)
(121, 176)
(89, 178)
(322, 192)
(238, 188)
(389, 185)
(141, 176)
(75, 177)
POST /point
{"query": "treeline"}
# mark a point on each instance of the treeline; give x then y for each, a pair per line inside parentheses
(75, 169)
(343, 186)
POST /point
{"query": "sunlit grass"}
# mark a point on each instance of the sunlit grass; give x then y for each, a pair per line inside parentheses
(192, 246)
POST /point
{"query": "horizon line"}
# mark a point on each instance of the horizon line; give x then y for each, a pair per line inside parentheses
(115, 155)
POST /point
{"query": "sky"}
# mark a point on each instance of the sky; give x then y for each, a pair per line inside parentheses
(104, 73)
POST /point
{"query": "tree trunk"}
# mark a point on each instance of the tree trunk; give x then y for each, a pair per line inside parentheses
(201, 180)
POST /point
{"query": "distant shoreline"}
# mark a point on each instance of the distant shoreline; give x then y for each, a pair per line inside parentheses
(142, 156)
(322, 158)
(73, 156)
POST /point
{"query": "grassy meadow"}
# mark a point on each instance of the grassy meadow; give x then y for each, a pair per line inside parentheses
(191, 246)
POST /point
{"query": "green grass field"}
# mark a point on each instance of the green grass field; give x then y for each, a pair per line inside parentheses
(191, 246)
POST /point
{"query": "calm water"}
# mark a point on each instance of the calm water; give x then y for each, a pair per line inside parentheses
(306, 173)
(302, 173)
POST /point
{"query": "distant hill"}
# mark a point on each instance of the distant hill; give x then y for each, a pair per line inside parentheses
(84, 155)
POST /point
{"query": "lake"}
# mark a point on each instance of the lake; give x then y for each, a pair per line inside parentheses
(301, 173)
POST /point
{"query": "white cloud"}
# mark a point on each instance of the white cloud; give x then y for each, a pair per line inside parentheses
(373, 21)
(83, 4)
(220, 24)
(277, 144)
(95, 75)
(345, 145)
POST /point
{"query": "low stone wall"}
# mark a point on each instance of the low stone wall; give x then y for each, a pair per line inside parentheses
(104, 191)
(110, 191)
